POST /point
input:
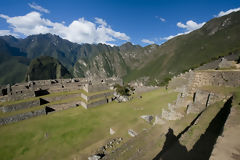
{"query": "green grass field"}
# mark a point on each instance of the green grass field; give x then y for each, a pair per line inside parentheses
(78, 131)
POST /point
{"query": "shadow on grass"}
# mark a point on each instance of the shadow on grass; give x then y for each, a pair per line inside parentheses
(202, 149)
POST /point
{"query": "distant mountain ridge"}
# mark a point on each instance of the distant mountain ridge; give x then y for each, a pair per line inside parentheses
(154, 64)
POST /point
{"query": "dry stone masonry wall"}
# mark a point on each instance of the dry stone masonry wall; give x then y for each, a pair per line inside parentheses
(98, 93)
(19, 106)
(22, 116)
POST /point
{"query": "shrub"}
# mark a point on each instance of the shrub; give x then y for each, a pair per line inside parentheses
(124, 90)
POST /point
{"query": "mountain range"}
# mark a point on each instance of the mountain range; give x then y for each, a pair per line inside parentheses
(153, 64)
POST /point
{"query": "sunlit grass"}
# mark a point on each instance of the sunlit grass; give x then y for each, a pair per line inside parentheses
(58, 135)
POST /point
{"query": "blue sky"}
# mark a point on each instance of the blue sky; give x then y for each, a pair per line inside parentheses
(110, 21)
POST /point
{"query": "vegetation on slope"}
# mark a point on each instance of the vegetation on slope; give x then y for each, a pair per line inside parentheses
(46, 68)
(13, 64)
(217, 37)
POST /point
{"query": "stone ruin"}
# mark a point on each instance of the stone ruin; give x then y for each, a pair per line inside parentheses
(93, 93)
(189, 85)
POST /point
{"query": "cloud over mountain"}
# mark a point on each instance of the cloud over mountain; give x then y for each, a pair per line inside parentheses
(189, 27)
(79, 31)
(223, 13)
(147, 41)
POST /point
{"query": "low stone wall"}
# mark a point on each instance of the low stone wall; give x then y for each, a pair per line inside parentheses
(59, 107)
(14, 107)
(229, 78)
(61, 97)
(202, 99)
(94, 104)
(23, 116)
(96, 96)
(95, 88)
(14, 96)
(180, 80)
(3, 98)
(65, 87)
(195, 79)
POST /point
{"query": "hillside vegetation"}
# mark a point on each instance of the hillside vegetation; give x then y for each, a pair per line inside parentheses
(46, 68)
(218, 37)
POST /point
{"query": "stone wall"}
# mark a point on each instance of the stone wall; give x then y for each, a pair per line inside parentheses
(180, 80)
(18, 95)
(94, 104)
(14, 107)
(226, 64)
(195, 79)
(63, 106)
(96, 96)
(202, 99)
(61, 97)
(226, 78)
(23, 116)
(95, 88)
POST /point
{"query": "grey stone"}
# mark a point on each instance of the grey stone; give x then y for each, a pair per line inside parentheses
(147, 118)
(112, 132)
(94, 157)
(226, 64)
(132, 133)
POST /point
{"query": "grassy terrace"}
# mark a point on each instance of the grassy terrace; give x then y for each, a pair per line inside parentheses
(68, 100)
(77, 132)
(54, 95)
(35, 98)
(7, 114)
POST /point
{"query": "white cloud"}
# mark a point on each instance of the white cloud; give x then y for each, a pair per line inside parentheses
(79, 31)
(161, 19)
(7, 32)
(147, 41)
(100, 21)
(222, 13)
(190, 25)
(172, 36)
(38, 7)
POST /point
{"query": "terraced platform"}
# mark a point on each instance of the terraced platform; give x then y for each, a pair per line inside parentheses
(14, 111)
